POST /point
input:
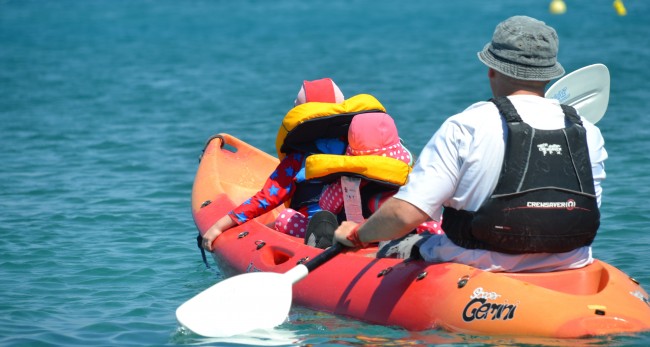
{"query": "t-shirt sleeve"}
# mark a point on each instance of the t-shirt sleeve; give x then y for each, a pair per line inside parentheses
(436, 173)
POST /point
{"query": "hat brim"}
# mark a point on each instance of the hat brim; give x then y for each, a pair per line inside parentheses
(395, 151)
(518, 71)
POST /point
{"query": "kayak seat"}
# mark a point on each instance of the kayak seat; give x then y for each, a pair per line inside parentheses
(585, 281)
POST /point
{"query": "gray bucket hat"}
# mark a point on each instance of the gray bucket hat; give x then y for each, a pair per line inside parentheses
(523, 48)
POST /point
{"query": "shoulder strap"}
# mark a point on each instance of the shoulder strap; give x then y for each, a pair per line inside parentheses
(571, 114)
(517, 148)
(507, 109)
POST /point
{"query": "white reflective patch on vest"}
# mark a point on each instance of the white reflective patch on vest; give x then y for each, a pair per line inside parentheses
(549, 149)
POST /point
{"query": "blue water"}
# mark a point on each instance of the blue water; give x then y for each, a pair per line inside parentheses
(105, 107)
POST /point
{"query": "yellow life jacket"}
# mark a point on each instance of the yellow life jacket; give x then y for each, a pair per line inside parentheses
(383, 170)
(310, 121)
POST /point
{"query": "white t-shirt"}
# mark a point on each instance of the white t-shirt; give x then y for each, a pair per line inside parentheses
(460, 166)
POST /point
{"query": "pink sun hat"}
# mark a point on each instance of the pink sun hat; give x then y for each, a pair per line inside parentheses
(322, 90)
(375, 133)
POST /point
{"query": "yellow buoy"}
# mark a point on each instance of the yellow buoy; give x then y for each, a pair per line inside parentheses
(619, 7)
(557, 7)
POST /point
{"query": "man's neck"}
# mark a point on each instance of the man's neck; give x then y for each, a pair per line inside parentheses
(527, 92)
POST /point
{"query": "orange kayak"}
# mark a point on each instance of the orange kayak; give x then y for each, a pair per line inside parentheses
(596, 300)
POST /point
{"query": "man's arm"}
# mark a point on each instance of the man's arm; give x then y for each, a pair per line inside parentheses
(394, 219)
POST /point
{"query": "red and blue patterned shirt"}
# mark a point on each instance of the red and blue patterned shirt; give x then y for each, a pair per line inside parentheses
(278, 189)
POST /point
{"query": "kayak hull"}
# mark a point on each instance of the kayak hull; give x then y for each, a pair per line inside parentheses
(596, 300)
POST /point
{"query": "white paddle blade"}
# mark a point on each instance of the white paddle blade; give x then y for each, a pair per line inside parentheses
(246, 302)
(586, 89)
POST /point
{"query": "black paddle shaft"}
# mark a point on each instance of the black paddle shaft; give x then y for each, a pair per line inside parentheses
(324, 257)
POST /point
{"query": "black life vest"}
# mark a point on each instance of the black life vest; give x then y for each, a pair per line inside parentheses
(544, 201)
(307, 193)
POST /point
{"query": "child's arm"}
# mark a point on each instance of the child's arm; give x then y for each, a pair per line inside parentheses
(278, 188)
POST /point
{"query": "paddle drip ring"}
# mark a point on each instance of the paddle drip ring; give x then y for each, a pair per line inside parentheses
(302, 260)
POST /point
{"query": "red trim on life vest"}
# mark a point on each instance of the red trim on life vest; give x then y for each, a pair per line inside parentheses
(319, 90)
